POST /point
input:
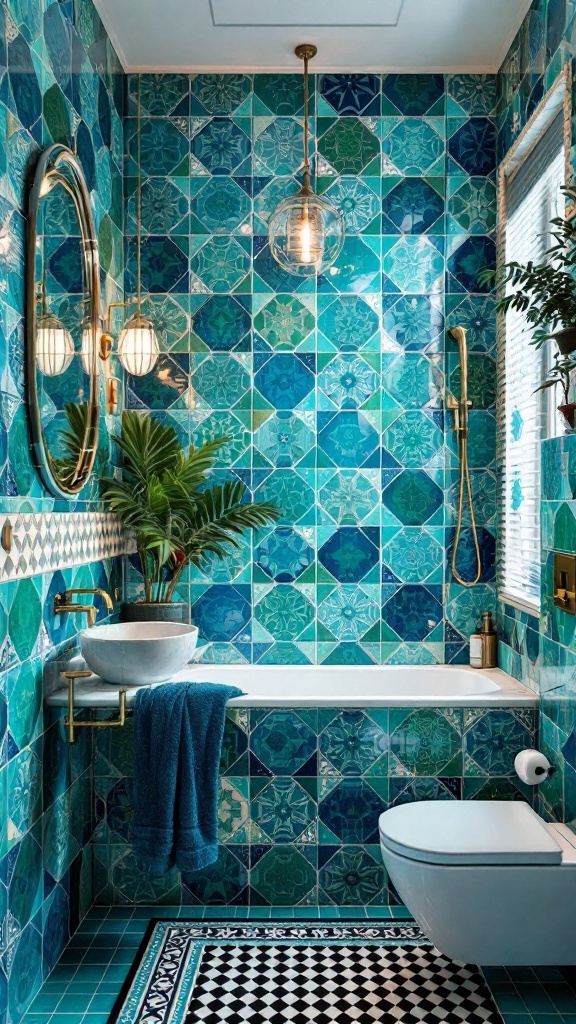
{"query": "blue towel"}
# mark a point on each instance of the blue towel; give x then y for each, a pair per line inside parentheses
(178, 730)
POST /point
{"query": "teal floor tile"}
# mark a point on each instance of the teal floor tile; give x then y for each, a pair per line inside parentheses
(87, 980)
(562, 996)
(535, 999)
(546, 1018)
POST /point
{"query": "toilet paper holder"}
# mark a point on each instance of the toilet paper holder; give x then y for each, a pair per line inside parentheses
(533, 767)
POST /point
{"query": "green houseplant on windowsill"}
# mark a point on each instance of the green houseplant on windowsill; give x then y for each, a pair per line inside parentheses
(560, 373)
(177, 515)
(545, 293)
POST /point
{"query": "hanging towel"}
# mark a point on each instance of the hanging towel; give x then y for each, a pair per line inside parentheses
(178, 731)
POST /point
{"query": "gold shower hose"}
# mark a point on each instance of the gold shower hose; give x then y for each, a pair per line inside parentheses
(461, 408)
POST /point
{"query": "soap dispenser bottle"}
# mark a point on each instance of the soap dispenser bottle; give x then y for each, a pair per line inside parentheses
(489, 642)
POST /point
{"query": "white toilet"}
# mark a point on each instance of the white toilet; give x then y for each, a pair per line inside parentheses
(489, 881)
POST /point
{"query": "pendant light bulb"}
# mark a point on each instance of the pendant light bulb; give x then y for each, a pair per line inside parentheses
(306, 233)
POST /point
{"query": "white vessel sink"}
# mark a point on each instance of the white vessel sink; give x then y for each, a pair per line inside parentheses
(138, 653)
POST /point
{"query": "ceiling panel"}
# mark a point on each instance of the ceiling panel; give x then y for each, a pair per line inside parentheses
(425, 35)
(303, 13)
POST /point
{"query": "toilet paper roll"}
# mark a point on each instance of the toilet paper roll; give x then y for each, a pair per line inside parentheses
(532, 767)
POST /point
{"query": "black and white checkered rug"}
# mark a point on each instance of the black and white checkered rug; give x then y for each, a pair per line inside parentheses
(300, 974)
(322, 984)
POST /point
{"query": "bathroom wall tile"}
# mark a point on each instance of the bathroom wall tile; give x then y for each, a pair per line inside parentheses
(343, 389)
(224, 883)
(284, 876)
(492, 739)
(355, 743)
(302, 789)
(426, 742)
(351, 876)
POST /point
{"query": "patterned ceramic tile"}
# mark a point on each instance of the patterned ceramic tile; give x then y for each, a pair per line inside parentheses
(47, 541)
(300, 796)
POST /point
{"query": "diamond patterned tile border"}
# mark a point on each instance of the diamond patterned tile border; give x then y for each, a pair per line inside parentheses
(45, 541)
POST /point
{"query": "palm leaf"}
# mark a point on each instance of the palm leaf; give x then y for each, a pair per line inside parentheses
(72, 439)
(220, 515)
(149, 447)
(192, 467)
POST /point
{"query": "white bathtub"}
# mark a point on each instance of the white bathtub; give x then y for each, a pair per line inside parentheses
(365, 686)
(334, 686)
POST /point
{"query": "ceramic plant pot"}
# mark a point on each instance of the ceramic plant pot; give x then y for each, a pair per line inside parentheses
(569, 413)
(566, 340)
(142, 611)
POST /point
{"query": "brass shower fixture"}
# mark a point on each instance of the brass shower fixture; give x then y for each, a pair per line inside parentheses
(461, 408)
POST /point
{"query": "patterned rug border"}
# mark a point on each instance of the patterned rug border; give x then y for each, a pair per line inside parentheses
(147, 959)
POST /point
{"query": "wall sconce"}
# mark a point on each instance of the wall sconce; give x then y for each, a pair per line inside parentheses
(138, 348)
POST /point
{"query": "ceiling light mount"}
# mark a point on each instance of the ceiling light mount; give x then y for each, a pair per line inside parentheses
(306, 51)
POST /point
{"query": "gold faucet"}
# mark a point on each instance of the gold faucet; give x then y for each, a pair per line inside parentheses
(63, 602)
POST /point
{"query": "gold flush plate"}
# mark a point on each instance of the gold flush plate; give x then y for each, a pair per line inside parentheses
(565, 582)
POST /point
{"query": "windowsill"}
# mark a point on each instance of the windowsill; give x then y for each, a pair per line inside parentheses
(523, 604)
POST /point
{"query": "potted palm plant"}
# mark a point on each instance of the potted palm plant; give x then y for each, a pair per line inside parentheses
(545, 293)
(176, 515)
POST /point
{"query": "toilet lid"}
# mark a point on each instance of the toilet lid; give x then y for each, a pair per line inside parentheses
(468, 832)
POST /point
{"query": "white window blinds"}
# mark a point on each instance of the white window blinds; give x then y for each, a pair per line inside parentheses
(532, 197)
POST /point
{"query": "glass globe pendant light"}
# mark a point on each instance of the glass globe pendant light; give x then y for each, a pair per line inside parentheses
(305, 232)
(138, 345)
(54, 344)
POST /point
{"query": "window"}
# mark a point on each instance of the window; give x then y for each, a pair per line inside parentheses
(532, 197)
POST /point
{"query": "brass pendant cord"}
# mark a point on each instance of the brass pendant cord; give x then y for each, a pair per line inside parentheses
(306, 160)
(461, 409)
(305, 52)
(138, 198)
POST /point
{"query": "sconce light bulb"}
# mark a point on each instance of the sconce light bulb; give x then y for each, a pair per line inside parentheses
(54, 346)
(138, 348)
(87, 348)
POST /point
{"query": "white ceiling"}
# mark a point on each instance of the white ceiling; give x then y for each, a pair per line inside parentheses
(351, 35)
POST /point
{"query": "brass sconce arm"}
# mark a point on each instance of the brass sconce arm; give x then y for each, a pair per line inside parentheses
(106, 338)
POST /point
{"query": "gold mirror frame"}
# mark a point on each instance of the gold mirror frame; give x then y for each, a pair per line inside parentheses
(58, 165)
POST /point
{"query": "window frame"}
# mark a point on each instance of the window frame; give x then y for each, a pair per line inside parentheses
(558, 98)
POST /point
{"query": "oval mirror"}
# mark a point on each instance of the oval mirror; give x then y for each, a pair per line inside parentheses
(63, 323)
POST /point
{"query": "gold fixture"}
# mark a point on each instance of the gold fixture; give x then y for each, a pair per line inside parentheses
(106, 338)
(461, 408)
(112, 395)
(565, 582)
(306, 232)
(71, 723)
(489, 641)
(7, 536)
(63, 603)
